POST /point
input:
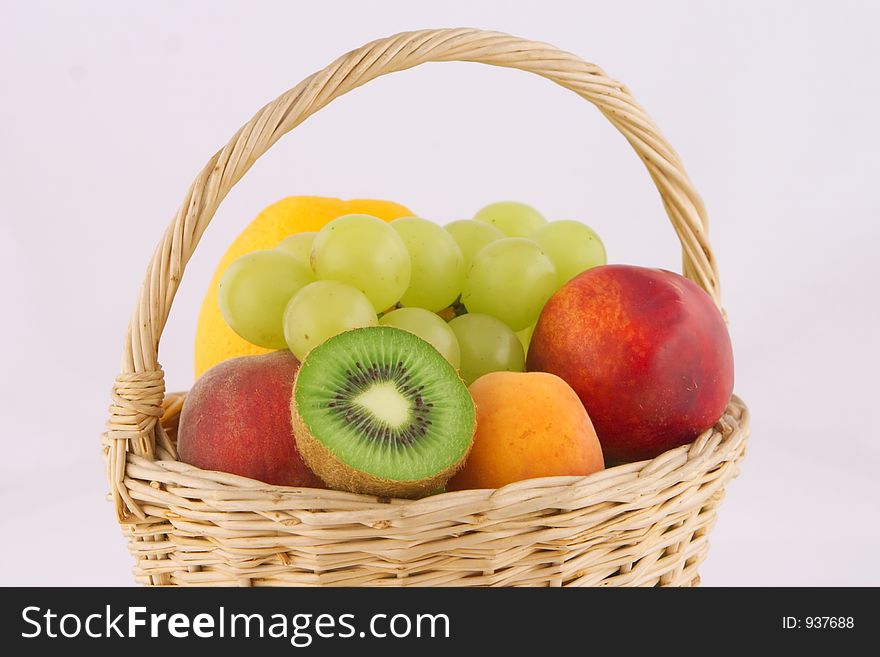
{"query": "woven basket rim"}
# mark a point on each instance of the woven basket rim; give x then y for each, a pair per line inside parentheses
(721, 443)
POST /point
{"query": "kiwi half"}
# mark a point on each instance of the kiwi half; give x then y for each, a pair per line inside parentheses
(379, 411)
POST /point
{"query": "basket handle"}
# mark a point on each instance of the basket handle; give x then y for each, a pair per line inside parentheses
(139, 389)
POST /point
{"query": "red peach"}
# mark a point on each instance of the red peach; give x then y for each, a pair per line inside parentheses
(647, 352)
(236, 419)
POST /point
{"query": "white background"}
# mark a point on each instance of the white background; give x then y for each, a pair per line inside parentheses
(107, 110)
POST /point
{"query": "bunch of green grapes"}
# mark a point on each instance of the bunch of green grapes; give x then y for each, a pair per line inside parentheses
(516, 260)
(473, 289)
(512, 277)
(316, 285)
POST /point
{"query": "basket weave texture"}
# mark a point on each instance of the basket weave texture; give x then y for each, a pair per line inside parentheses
(639, 524)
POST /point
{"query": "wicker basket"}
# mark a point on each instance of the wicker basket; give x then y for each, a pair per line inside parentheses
(640, 524)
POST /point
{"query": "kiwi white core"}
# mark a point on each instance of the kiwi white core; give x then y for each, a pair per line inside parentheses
(386, 404)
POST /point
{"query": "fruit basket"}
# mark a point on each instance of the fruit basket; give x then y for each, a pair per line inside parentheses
(638, 524)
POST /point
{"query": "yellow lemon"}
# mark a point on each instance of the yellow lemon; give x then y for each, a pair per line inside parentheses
(215, 341)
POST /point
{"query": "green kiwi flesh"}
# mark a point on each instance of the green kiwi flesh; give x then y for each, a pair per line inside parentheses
(379, 411)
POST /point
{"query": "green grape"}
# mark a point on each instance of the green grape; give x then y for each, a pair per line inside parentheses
(298, 245)
(512, 218)
(472, 236)
(487, 345)
(525, 337)
(429, 327)
(366, 253)
(510, 279)
(572, 246)
(437, 264)
(321, 310)
(254, 291)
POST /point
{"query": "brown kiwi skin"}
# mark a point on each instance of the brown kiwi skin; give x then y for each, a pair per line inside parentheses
(340, 476)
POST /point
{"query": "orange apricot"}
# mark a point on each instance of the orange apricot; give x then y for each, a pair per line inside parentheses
(529, 424)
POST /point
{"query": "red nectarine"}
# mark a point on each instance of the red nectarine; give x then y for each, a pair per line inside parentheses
(236, 419)
(647, 352)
